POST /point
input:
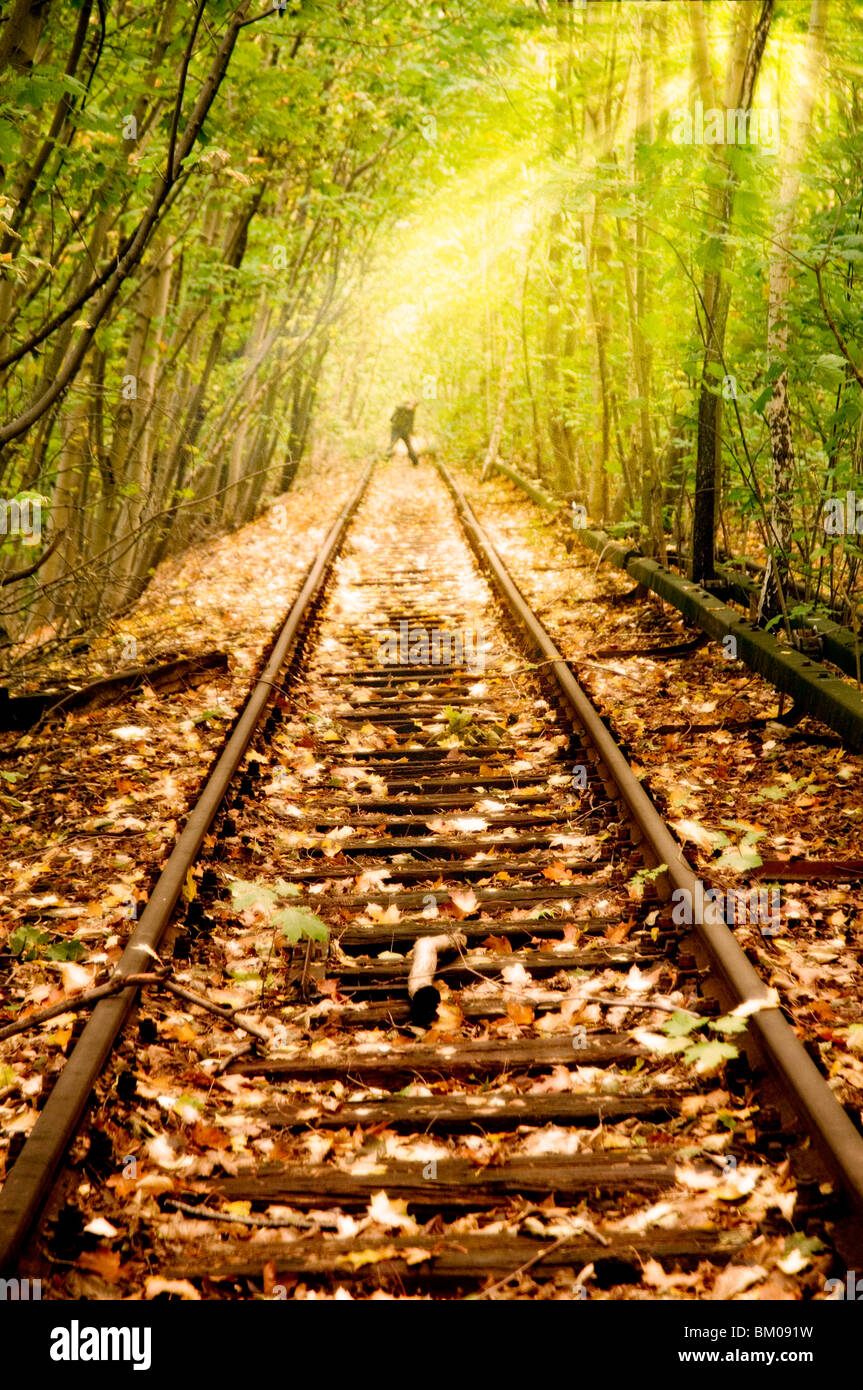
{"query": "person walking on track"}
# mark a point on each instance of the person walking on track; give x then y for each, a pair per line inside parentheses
(401, 425)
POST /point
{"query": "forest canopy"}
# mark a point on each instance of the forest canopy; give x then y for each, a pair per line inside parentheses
(613, 245)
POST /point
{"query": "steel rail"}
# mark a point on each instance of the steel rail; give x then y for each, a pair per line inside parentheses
(30, 1181)
(835, 1135)
(814, 688)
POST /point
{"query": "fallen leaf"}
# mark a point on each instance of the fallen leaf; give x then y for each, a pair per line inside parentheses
(391, 1214)
(179, 1288)
(556, 872)
(691, 830)
(498, 945)
(100, 1227)
(655, 1276)
(464, 902)
(75, 977)
(105, 1263)
(736, 1279)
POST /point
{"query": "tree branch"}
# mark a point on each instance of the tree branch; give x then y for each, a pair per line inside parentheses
(31, 569)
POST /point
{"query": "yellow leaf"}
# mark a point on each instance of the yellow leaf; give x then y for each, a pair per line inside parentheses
(238, 1208)
(357, 1258)
(190, 887)
(183, 1033)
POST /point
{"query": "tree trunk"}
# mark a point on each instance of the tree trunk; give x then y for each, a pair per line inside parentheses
(497, 427)
(739, 89)
(778, 413)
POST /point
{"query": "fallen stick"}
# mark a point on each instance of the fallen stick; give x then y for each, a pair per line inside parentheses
(234, 1219)
(528, 1264)
(220, 1010)
(73, 1005)
(115, 986)
(232, 1057)
(21, 712)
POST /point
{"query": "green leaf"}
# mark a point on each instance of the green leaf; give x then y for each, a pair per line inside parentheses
(739, 859)
(66, 950)
(728, 1024)
(710, 1054)
(297, 923)
(26, 942)
(831, 368)
(680, 1024)
(287, 890)
(807, 1245)
(250, 895)
(32, 944)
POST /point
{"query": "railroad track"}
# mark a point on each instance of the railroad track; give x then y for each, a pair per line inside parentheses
(461, 1092)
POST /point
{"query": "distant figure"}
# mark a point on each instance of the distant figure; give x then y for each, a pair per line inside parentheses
(401, 425)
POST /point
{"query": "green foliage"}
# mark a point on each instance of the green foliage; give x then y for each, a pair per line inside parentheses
(295, 923)
(297, 171)
(391, 201)
(689, 1034)
(30, 943)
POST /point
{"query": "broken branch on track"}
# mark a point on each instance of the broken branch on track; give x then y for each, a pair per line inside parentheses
(116, 985)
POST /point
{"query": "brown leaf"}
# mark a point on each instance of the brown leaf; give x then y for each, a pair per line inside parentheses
(208, 1136)
(105, 1263)
(556, 872)
(498, 945)
(464, 903)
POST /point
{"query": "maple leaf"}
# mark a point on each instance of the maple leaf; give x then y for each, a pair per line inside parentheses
(707, 1056)
(393, 1214)
(464, 902)
(498, 945)
(556, 872)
